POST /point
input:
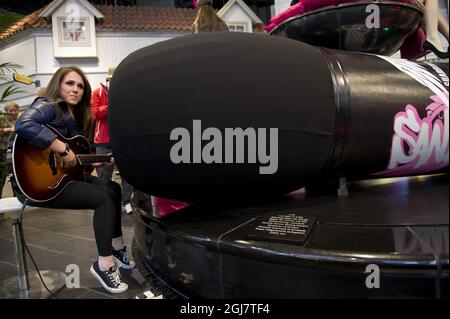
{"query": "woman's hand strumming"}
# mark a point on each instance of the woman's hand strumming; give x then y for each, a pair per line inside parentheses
(69, 160)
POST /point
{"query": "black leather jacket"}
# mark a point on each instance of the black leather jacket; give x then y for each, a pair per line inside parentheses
(31, 124)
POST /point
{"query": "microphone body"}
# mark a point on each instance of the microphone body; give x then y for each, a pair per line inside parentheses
(222, 116)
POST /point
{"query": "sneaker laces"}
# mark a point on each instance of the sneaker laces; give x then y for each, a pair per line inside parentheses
(114, 276)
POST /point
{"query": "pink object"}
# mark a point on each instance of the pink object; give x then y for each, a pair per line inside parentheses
(166, 206)
(306, 6)
(425, 137)
(290, 12)
(411, 49)
(302, 7)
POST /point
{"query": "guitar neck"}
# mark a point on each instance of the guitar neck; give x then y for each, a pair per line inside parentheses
(86, 159)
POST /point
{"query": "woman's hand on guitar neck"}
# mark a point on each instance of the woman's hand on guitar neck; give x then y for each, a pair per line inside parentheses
(112, 162)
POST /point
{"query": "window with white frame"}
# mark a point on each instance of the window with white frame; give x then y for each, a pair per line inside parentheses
(236, 27)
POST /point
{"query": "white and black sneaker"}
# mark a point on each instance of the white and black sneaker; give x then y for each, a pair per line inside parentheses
(110, 279)
(121, 258)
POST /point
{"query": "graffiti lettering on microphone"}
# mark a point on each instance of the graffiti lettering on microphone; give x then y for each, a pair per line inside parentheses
(229, 150)
(420, 145)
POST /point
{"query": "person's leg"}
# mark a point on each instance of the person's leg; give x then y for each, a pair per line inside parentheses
(114, 190)
(105, 198)
(120, 252)
(431, 17)
(119, 249)
(443, 26)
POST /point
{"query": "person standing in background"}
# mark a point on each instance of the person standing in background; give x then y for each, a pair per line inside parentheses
(102, 141)
(7, 123)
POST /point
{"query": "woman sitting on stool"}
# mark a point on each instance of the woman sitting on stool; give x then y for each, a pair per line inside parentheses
(66, 108)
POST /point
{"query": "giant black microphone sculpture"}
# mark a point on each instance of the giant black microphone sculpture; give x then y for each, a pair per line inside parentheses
(233, 115)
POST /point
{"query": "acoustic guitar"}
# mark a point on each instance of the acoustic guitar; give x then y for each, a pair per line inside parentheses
(39, 174)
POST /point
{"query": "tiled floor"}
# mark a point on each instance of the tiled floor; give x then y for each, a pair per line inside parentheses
(57, 238)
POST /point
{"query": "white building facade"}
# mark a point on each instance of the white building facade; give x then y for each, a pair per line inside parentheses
(118, 31)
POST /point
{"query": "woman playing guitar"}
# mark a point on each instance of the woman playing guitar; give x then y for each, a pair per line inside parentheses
(65, 111)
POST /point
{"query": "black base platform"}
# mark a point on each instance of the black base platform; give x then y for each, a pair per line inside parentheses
(307, 246)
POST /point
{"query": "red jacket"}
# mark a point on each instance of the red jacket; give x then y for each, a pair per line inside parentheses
(99, 108)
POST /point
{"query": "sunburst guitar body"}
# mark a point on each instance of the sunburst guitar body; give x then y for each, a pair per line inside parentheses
(39, 174)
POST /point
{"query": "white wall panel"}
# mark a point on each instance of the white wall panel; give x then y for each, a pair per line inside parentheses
(23, 53)
(37, 55)
(113, 48)
(46, 63)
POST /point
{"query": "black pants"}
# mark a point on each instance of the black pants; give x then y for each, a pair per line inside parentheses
(106, 172)
(105, 197)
